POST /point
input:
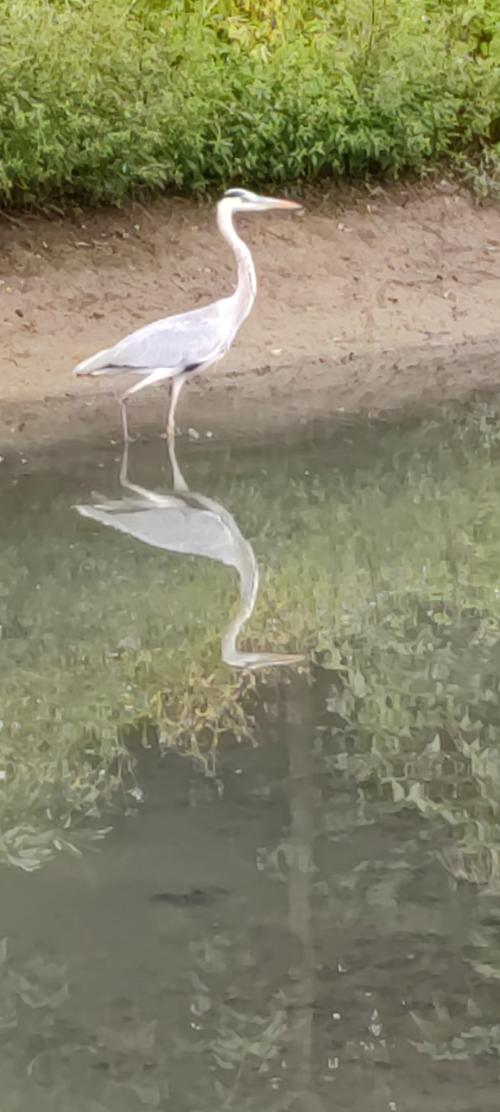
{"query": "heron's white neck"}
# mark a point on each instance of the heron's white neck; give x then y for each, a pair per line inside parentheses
(246, 288)
(249, 586)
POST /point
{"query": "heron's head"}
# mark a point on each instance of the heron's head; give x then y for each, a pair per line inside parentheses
(242, 200)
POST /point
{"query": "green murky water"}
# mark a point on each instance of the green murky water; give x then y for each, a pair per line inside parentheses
(296, 906)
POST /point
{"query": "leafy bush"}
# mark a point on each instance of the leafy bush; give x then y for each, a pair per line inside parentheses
(101, 100)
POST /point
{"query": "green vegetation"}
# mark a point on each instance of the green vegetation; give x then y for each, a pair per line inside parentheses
(105, 640)
(101, 100)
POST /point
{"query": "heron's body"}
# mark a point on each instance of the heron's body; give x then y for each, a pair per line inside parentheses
(186, 343)
(181, 345)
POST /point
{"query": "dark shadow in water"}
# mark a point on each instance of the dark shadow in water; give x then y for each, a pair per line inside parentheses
(191, 524)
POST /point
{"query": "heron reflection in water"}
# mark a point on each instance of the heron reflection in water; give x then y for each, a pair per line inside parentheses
(194, 525)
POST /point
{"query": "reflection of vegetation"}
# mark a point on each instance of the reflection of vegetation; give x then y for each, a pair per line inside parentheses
(474, 1043)
(36, 985)
(51, 1061)
(388, 571)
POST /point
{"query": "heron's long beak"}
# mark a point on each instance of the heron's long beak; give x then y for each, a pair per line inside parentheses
(280, 203)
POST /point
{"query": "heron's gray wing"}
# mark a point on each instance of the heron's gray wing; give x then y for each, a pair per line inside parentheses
(181, 341)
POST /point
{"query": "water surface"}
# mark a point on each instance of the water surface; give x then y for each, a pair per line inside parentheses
(306, 916)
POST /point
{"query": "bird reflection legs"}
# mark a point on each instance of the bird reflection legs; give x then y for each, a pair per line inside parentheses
(126, 438)
(179, 483)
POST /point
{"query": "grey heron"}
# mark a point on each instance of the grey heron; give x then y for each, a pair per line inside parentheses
(179, 346)
(195, 525)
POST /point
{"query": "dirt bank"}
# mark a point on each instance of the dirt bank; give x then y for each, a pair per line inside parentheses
(372, 301)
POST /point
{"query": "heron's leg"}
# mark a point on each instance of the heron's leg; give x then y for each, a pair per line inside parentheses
(156, 376)
(177, 384)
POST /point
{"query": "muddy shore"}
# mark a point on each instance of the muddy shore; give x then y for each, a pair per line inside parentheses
(383, 301)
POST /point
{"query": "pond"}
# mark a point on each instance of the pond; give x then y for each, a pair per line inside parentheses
(250, 773)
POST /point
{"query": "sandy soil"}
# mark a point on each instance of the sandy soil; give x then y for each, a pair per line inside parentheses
(374, 301)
